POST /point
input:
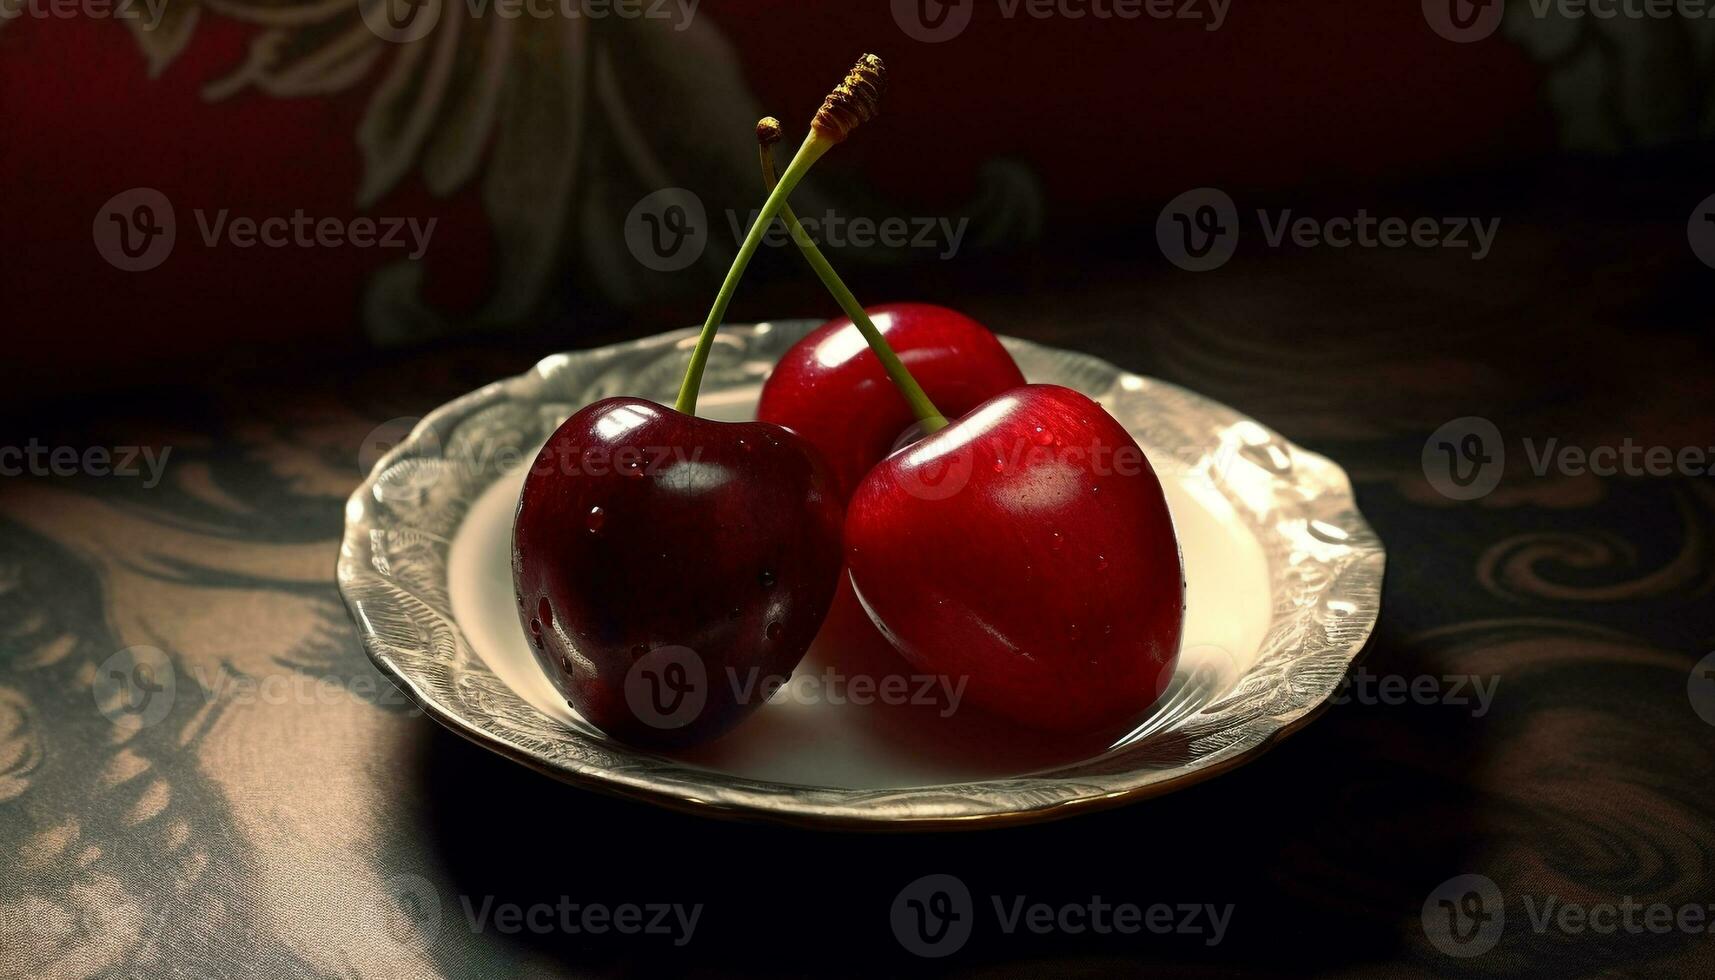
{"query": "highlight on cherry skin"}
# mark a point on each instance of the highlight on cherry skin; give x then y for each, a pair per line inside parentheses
(830, 388)
(655, 551)
(1026, 546)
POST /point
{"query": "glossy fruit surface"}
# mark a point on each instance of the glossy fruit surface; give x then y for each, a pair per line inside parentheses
(663, 562)
(831, 389)
(1028, 547)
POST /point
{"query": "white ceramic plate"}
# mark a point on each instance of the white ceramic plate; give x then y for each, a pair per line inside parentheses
(1283, 587)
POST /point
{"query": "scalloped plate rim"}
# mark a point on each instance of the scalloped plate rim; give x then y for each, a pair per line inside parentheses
(793, 804)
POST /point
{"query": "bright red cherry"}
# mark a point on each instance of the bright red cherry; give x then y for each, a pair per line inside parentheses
(831, 389)
(1027, 547)
(664, 562)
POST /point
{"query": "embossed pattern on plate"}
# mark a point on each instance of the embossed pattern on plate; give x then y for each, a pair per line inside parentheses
(1324, 562)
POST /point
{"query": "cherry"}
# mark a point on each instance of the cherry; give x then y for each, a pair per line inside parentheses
(660, 559)
(828, 386)
(833, 390)
(663, 563)
(1027, 547)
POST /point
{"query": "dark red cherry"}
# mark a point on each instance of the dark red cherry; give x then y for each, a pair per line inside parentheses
(830, 388)
(1027, 547)
(662, 561)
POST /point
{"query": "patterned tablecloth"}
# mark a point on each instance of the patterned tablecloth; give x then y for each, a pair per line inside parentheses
(1532, 712)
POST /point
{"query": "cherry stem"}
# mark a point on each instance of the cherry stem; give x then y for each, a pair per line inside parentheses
(925, 410)
(814, 146)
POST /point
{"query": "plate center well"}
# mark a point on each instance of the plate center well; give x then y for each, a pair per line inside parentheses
(824, 730)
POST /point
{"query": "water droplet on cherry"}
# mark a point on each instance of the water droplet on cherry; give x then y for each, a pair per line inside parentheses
(597, 517)
(1101, 563)
(776, 631)
(766, 578)
(545, 611)
(1056, 540)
